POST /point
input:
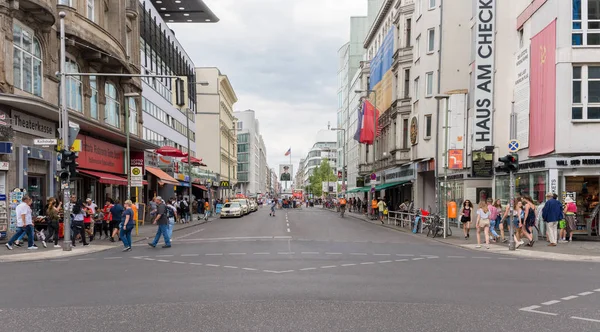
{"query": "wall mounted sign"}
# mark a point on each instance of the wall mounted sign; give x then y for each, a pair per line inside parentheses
(101, 156)
(32, 125)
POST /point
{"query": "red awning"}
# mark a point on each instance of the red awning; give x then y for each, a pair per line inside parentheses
(107, 178)
(199, 186)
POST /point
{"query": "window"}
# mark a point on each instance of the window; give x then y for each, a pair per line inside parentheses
(94, 97)
(418, 6)
(431, 4)
(66, 2)
(27, 61)
(585, 22)
(74, 96)
(132, 116)
(429, 84)
(430, 40)
(406, 83)
(405, 134)
(428, 126)
(416, 96)
(586, 93)
(90, 10)
(408, 32)
(111, 110)
(417, 53)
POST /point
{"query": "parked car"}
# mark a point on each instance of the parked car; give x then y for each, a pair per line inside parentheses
(231, 209)
(253, 206)
(245, 205)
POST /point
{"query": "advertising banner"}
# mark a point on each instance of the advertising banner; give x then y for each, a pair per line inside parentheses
(455, 159)
(456, 121)
(101, 156)
(381, 74)
(521, 96)
(285, 172)
(137, 160)
(483, 164)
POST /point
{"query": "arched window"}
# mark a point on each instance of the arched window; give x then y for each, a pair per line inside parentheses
(27, 61)
(111, 110)
(74, 96)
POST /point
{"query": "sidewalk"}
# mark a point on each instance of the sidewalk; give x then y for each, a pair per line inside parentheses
(145, 232)
(579, 251)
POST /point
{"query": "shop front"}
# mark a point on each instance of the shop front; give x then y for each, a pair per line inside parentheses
(397, 186)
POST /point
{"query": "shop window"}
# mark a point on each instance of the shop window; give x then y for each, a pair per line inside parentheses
(74, 85)
(585, 29)
(111, 110)
(27, 61)
(584, 190)
(94, 97)
(585, 93)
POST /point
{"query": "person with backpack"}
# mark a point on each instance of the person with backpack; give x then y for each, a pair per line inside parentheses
(116, 212)
(78, 214)
(185, 210)
(171, 215)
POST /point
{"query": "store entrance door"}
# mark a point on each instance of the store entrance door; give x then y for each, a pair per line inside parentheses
(36, 189)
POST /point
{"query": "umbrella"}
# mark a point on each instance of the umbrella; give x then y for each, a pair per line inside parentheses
(192, 160)
(169, 151)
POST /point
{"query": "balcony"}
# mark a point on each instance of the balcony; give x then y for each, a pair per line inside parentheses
(131, 8)
(42, 11)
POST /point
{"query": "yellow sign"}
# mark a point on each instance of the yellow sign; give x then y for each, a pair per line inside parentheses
(136, 171)
(224, 184)
(384, 92)
(76, 147)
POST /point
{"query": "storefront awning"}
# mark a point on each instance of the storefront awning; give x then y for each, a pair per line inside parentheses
(201, 187)
(389, 185)
(164, 178)
(105, 178)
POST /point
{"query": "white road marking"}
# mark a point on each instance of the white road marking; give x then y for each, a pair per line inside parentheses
(261, 253)
(85, 259)
(586, 319)
(384, 262)
(401, 260)
(113, 257)
(248, 269)
(190, 255)
(288, 230)
(163, 260)
(418, 259)
(308, 268)
(214, 254)
(427, 256)
(480, 257)
(349, 264)
(309, 253)
(597, 290)
(551, 302)
(367, 263)
(508, 258)
(570, 297)
(164, 255)
(149, 259)
(430, 257)
(532, 309)
(585, 293)
(456, 256)
(381, 254)
(358, 253)
(237, 253)
(230, 267)
(195, 263)
(285, 253)
(333, 253)
(178, 262)
(405, 255)
(215, 265)
(328, 266)
(270, 271)
(286, 271)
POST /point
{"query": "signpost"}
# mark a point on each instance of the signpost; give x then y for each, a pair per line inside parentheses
(45, 141)
(137, 177)
(514, 145)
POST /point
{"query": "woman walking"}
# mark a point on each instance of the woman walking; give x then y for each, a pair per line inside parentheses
(499, 219)
(465, 217)
(494, 212)
(53, 219)
(516, 220)
(483, 222)
(128, 224)
(569, 211)
(529, 219)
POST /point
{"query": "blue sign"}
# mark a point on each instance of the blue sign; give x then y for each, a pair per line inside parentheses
(383, 59)
(218, 208)
(513, 145)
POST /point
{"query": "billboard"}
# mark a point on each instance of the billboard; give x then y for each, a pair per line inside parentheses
(521, 96)
(285, 172)
(381, 74)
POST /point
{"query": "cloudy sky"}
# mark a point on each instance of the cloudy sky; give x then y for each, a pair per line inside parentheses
(281, 58)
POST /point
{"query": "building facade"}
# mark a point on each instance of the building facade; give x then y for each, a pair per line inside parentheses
(252, 155)
(325, 147)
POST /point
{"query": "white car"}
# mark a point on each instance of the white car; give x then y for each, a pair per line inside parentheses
(253, 206)
(245, 205)
(233, 209)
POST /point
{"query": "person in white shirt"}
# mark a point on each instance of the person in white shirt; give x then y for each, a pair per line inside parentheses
(24, 223)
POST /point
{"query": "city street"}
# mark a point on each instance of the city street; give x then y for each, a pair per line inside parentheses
(303, 270)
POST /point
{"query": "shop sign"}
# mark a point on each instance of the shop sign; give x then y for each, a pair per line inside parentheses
(181, 177)
(136, 159)
(578, 162)
(455, 159)
(403, 173)
(483, 164)
(32, 125)
(4, 166)
(224, 184)
(532, 165)
(150, 159)
(101, 156)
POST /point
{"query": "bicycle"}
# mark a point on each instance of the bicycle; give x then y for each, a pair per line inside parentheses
(436, 227)
(342, 210)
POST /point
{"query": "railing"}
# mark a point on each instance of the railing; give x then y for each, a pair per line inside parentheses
(407, 219)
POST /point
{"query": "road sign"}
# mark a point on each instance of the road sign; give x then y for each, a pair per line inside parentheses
(45, 141)
(137, 177)
(373, 176)
(513, 145)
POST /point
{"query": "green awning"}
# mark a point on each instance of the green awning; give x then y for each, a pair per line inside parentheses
(389, 185)
(359, 190)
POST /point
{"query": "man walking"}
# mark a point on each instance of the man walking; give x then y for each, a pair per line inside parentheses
(163, 224)
(552, 213)
(24, 223)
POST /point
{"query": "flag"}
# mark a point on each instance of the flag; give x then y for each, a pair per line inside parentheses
(367, 135)
(359, 125)
(289, 152)
(542, 104)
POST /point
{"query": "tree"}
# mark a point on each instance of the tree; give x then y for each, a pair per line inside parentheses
(321, 173)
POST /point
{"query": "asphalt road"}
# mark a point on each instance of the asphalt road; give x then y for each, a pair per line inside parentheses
(304, 270)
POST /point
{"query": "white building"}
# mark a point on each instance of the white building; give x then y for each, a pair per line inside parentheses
(252, 155)
(325, 147)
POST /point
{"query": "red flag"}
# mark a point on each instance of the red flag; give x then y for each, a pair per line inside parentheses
(366, 134)
(542, 105)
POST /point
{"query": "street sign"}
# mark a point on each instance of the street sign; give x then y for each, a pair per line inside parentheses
(45, 141)
(137, 178)
(513, 145)
(373, 176)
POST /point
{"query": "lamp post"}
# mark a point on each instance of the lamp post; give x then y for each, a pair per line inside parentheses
(128, 148)
(343, 130)
(447, 113)
(372, 191)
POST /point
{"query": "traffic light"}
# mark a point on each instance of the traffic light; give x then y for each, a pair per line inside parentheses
(510, 163)
(180, 92)
(68, 163)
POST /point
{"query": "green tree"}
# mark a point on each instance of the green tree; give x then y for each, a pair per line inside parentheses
(321, 173)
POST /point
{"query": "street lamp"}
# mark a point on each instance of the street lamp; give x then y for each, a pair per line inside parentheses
(127, 129)
(372, 191)
(447, 112)
(343, 130)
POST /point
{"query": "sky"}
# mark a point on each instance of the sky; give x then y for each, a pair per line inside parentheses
(281, 58)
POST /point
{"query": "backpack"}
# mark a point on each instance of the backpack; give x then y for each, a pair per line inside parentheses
(76, 207)
(170, 213)
(183, 206)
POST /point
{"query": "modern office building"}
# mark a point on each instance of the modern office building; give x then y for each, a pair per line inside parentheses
(252, 155)
(325, 147)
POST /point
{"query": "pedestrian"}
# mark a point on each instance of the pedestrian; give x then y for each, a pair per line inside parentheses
(87, 219)
(494, 212)
(381, 206)
(107, 218)
(465, 217)
(163, 224)
(499, 219)
(570, 212)
(24, 223)
(78, 216)
(53, 219)
(529, 219)
(128, 223)
(552, 213)
(206, 210)
(483, 223)
(273, 205)
(171, 215)
(116, 213)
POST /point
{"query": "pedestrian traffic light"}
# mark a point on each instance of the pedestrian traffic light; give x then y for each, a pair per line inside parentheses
(69, 164)
(510, 163)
